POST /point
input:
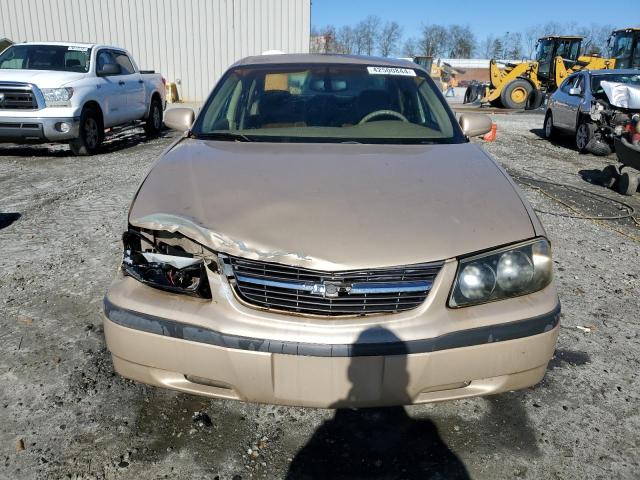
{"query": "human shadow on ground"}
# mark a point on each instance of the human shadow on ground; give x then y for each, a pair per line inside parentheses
(374, 443)
(7, 219)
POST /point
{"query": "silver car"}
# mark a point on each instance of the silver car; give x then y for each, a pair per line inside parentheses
(581, 107)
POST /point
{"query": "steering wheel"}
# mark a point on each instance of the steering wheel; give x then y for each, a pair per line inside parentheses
(380, 113)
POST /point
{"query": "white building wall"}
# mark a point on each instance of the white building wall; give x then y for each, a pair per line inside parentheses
(193, 41)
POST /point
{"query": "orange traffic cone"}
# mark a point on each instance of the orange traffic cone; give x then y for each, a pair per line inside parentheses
(491, 136)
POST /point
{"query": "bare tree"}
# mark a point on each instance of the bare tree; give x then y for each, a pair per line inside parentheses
(371, 35)
(486, 47)
(515, 46)
(551, 28)
(595, 41)
(497, 49)
(434, 40)
(531, 36)
(367, 32)
(411, 48)
(323, 40)
(462, 41)
(389, 38)
(346, 40)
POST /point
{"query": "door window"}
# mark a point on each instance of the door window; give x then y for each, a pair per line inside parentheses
(579, 84)
(103, 58)
(568, 84)
(126, 66)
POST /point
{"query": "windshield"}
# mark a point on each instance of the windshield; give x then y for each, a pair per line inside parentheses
(596, 80)
(327, 103)
(622, 45)
(622, 49)
(46, 57)
(544, 55)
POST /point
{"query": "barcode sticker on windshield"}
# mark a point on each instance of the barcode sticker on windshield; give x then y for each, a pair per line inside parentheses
(78, 49)
(407, 72)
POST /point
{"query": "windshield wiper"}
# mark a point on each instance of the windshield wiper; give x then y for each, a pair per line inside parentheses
(228, 136)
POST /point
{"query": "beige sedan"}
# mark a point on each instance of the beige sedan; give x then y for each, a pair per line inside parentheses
(324, 234)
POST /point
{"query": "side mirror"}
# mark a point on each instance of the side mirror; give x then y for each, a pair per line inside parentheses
(575, 92)
(179, 119)
(109, 69)
(475, 124)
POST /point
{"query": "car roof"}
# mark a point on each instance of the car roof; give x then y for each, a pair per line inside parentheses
(306, 58)
(75, 44)
(64, 44)
(622, 71)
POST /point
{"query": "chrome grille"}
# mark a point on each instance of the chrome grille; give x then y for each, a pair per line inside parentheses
(17, 97)
(354, 292)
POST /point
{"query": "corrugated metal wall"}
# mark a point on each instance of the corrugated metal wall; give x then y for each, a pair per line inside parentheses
(191, 40)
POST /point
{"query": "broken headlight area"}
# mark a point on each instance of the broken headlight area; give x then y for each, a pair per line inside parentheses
(163, 262)
(596, 111)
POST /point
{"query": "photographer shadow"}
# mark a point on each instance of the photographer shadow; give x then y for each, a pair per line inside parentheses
(373, 443)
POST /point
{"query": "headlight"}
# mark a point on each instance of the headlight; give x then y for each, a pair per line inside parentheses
(508, 272)
(164, 267)
(57, 97)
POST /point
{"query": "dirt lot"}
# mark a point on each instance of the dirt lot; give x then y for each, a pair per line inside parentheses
(62, 406)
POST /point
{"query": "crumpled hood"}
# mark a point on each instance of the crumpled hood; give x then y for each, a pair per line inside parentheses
(333, 206)
(41, 78)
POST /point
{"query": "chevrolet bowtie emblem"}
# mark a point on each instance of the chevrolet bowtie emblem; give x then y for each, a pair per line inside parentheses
(330, 289)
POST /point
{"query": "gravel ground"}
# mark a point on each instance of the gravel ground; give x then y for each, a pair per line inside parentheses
(65, 414)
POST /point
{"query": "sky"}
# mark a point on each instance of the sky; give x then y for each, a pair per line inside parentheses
(492, 17)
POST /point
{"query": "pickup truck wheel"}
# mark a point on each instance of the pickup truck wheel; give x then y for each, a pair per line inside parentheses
(91, 134)
(153, 124)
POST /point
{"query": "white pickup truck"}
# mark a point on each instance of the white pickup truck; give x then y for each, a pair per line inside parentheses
(73, 93)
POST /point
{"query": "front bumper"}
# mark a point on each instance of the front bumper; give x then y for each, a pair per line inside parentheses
(37, 129)
(188, 345)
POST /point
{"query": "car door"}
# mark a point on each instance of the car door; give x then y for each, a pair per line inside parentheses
(561, 103)
(110, 96)
(132, 86)
(575, 101)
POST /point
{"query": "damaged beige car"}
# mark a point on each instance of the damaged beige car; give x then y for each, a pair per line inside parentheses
(324, 234)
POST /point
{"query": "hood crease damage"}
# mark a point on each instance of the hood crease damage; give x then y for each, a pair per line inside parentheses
(219, 242)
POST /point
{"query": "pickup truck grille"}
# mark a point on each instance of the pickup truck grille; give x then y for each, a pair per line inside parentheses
(17, 97)
(355, 292)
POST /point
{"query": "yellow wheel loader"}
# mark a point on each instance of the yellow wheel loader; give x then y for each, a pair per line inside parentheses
(525, 84)
(625, 47)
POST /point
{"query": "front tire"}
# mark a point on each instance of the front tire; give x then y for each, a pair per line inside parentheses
(91, 134)
(549, 129)
(153, 125)
(584, 135)
(516, 94)
(535, 100)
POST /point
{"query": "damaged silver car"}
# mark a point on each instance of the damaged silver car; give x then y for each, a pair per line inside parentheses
(325, 234)
(595, 106)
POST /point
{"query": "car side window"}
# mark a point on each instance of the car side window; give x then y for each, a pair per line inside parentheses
(103, 58)
(580, 84)
(568, 84)
(126, 66)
